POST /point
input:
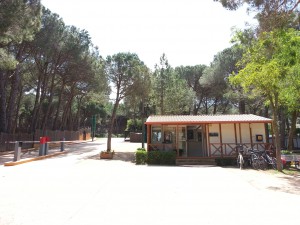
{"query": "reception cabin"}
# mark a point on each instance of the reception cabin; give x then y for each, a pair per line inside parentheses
(206, 136)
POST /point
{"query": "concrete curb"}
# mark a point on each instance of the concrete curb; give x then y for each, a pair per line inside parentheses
(34, 159)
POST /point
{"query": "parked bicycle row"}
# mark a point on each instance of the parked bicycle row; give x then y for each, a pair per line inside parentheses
(261, 159)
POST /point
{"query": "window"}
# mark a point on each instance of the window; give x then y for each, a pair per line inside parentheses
(169, 134)
(156, 135)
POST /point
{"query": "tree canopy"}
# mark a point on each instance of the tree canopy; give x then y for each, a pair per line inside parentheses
(127, 74)
(268, 67)
(55, 71)
(271, 14)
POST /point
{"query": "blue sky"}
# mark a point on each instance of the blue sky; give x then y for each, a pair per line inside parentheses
(189, 32)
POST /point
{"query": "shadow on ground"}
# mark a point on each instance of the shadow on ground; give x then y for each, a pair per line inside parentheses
(292, 187)
(120, 156)
(34, 153)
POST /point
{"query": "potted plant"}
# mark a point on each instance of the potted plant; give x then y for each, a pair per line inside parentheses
(106, 154)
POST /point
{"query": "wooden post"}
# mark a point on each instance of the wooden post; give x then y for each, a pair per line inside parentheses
(251, 140)
(208, 140)
(221, 141)
(235, 134)
(240, 132)
(148, 136)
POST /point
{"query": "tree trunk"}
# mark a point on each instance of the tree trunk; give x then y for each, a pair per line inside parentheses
(3, 120)
(162, 112)
(11, 107)
(50, 100)
(112, 121)
(16, 124)
(292, 130)
(277, 142)
(65, 114)
(197, 107)
(14, 101)
(275, 110)
(282, 119)
(242, 106)
(77, 119)
(225, 105)
(266, 114)
(36, 106)
(215, 106)
(68, 110)
(206, 106)
(54, 126)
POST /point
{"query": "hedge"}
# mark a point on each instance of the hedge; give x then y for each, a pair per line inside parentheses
(155, 157)
(140, 157)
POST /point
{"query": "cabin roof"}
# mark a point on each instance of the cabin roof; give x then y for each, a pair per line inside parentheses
(201, 119)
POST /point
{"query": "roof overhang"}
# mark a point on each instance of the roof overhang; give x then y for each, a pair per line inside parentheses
(205, 119)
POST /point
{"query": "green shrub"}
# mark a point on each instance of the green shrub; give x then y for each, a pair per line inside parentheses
(101, 135)
(286, 152)
(133, 125)
(140, 157)
(154, 157)
(161, 158)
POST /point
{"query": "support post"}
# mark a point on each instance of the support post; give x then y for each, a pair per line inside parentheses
(17, 154)
(47, 140)
(46, 148)
(62, 145)
(42, 146)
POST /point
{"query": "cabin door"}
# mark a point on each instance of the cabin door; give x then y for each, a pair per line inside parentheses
(195, 141)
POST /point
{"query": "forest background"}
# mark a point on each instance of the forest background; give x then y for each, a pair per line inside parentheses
(52, 77)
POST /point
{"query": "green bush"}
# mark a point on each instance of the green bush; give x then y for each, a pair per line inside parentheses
(133, 125)
(154, 157)
(161, 158)
(101, 135)
(140, 157)
(286, 152)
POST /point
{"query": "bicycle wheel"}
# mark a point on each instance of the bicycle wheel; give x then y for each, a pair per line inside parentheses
(256, 164)
(262, 163)
(274, 163)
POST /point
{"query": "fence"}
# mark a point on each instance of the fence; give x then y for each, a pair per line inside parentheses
(6, 139)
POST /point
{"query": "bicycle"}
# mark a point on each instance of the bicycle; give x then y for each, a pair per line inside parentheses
(256, 159)
(269, 160)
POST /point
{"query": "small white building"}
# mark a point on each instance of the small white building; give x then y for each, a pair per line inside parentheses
(209, 136)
